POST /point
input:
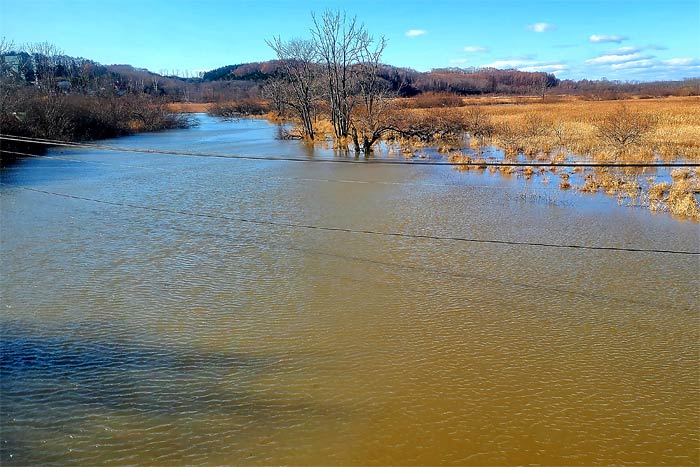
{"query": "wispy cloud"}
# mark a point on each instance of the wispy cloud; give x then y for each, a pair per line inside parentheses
(416, 32)
(529, 57)
(475, 49)
(528, 65)
(623, 51)
(645, 63)
(507, 63)
(638, 66)
(541, 27)
(598, 38)
(682, 61)
(552, 68)
(616, 58)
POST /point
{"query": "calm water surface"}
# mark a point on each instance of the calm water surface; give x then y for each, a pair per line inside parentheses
(133, 337)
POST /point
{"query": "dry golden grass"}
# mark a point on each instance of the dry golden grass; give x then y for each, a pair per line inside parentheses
(632, 130)
(575, 125)
(188, 107)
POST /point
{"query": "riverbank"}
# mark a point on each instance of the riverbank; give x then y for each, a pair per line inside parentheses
(74, 117)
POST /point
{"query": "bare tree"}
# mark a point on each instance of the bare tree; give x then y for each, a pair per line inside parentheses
(624, 128)
(6, 46)
(369, 122)
(340, 43)
(46, 58)
(275, 90)
(297, 85)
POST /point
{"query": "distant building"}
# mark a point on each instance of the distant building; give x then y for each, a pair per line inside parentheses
(18, 66)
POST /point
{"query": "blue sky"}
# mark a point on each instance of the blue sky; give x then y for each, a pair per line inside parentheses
(621, 39)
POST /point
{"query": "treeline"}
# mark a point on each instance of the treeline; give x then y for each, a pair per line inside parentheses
(478, 81)
(406, 82)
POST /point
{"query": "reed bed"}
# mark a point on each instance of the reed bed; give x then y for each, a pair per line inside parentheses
(633, 130)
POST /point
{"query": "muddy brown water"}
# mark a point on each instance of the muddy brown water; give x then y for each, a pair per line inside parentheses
(134, 337)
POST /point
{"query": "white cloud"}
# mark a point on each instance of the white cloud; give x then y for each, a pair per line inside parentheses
(644, 67)
(528, 65)
(623, 51)
(541, 27)
(681, 61)
(475, 49)
(615, 58)
(598, 38)
(458, 61)
(508, 63)
(552, 68)
(633, 64)
(415, 32)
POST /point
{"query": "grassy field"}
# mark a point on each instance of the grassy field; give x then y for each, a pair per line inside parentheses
(672, 126)
(632, 130)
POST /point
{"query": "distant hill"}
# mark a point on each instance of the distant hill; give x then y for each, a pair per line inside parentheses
(244, 80)
(476, 81)
(256, 71)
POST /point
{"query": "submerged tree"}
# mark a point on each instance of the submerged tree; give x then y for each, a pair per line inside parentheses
(340, 43)
(297, 86)
(370, 121)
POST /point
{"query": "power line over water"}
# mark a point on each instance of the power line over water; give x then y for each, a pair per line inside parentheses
(363, 231)
(583, 164)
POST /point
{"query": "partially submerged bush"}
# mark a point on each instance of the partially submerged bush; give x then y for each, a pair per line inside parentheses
(241, 108)
(75, 117)
(443, 125)
(623, 129)
(79, 117)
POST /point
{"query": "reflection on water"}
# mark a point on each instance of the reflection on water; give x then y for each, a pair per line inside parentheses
(134, 337)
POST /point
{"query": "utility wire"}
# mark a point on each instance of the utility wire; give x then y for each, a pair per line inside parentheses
(486, 279)
(327, 180)
(342, 161)
(361, 231)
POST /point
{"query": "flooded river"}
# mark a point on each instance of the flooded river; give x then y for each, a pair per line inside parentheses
(158, 337)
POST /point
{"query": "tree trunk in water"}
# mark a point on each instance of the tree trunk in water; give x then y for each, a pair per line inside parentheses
(355, 140)
(367, 145)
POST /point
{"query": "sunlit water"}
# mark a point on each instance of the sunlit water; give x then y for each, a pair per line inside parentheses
(134, 337)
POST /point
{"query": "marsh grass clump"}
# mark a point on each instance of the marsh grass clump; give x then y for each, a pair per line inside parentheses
(459, 158)
(657, 191)
(657, 195)
(590, 184)
(507, 169)
(682, 199)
